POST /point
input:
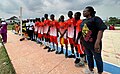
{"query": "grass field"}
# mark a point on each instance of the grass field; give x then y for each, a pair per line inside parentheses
(6, 66)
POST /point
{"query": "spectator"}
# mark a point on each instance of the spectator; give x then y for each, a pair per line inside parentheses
(30, 33)
(24, 30)
(112, 27)
(3, 30)
(92, 32)
(17, 28)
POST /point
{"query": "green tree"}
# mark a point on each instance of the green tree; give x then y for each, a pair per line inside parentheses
(113, 20)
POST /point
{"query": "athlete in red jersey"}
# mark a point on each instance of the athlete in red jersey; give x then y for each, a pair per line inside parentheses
(46, 32)
(53, 32)
(36, 28)
(71, 32)
(40, 31)
(63, 32)
(78, 46)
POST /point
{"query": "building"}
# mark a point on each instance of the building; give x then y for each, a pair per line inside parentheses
(13, 19)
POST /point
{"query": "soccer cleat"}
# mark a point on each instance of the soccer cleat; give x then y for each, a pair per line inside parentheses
(49, 49)
(71, 56)
(41, 44)
(22, 39)
(45, 47)
(52, 50)
(56, 52)
(28, 39)
(61, 52)
(87, 71)
(80, 64)
(66, 55)
(77, 60)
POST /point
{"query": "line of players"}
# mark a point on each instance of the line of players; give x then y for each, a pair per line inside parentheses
(48, 31)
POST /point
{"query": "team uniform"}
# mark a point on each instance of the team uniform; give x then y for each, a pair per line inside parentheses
(79, 45)
(53, 31)
(47, 34)
(62, 27)
(71, 35)
(71, 25)
(46, 28)
(36, 30)
(40, 30)
(36, 27)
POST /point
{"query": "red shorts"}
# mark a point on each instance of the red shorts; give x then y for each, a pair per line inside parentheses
(46, 35)
(80, 48)
(71, 41)
(40, 35)
(64, 42)
(53, 39)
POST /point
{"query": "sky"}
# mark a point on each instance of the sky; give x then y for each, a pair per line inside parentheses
(37, 8)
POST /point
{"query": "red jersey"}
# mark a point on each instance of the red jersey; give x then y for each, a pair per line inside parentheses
(53, 28)
(40, 29)
(78, 25)
(36, 26)
(71, 24)
(46, 25)
(62, 27)
(42, 24)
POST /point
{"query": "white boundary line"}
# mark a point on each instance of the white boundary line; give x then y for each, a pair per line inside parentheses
(103, 60)
(111, 64)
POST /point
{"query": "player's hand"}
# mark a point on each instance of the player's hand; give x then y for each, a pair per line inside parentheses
(97, 47)
(61, 36)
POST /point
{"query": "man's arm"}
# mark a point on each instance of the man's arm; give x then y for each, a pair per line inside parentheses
(63, 33)
(74, 33)
(48, 29)
(97, 43)
(79, 36)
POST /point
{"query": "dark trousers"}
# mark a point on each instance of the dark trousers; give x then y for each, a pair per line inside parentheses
(97, 56)
(4, 37)
(30, 33)
(35, 36)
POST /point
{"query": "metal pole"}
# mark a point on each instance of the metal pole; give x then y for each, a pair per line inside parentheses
(21, 20)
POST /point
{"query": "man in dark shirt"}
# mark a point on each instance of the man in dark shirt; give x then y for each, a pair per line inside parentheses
(92, 32)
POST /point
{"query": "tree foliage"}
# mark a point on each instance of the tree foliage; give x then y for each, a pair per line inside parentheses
(112, 20)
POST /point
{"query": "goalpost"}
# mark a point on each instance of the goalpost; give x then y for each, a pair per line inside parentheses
(21, 20)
